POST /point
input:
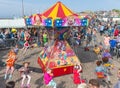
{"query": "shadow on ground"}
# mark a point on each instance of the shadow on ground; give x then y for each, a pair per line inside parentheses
(29, 55)
(39, 82)
(85, 56)
(34, 69)
(61, 85)
(3, 54)
(2, 82)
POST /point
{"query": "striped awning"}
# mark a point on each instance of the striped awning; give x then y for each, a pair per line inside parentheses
(59, 10)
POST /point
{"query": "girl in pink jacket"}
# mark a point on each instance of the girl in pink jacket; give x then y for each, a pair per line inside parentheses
(48, 78)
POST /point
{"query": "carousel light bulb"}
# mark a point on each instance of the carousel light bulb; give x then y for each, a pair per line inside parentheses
(57, 21)
(49, 21)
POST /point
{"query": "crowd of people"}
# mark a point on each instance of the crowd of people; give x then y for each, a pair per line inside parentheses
(76, 36)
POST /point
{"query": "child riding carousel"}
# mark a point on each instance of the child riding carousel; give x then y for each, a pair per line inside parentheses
(10, 64)
(25, 71)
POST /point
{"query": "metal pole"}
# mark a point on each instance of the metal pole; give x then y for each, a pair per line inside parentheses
(22, 8)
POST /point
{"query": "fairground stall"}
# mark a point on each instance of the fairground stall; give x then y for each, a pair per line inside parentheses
(57, 53)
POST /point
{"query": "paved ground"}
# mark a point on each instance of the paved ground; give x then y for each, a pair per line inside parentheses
(87, 59)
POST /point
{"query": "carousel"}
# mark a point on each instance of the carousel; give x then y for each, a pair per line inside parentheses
(57, 53)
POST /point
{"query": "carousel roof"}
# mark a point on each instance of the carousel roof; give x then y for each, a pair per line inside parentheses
(59, 10)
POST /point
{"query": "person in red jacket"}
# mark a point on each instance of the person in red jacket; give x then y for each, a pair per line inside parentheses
(76, 75)
(116, 32)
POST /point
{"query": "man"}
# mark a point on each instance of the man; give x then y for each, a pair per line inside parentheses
(113, 44)
(93, 83)
(101, 29)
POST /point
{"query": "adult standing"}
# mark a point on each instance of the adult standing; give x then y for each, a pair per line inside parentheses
(101, 29)
(106, 42)
(45, 37)
(94, 36)
(26, 36)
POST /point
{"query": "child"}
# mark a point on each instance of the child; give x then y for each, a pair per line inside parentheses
(48, 78)
(96, 50)
(107, 65)
(10, 63)
(107, 54)
(16, 49)
(76, 75)
(25, 71)
(100, 70)
(26, 46)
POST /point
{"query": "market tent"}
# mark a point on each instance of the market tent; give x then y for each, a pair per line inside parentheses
(59, 10)
(12, 23)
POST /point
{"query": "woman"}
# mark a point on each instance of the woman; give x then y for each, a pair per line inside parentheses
(27, 36)
(106, 42)
(78, 41)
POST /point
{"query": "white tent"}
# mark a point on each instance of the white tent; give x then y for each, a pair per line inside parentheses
(12, 23)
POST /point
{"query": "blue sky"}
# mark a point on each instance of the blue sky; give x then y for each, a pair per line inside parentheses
(10, 8)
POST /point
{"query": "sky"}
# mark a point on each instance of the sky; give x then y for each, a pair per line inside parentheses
(13, 8)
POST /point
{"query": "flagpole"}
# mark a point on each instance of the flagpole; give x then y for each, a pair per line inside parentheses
(22, 8)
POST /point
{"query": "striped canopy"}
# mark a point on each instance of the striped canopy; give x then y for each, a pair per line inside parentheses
(59, 10)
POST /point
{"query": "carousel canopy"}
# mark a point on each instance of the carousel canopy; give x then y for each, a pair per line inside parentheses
(59, 10)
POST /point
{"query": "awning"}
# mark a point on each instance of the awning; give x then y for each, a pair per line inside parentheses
(12, 23)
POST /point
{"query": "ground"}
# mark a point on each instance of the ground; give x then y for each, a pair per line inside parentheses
(87, 59)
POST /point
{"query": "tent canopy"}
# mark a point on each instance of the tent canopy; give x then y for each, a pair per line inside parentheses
(59, 10)
(12, 23)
